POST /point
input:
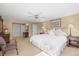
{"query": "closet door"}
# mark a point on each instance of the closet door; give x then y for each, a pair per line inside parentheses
(22, 30)
(16, 31)
(34, 29)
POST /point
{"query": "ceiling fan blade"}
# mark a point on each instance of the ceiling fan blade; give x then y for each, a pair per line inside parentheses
(36, 14)
(39, 13)
(30, 16)
(44, 17)
(30, 13)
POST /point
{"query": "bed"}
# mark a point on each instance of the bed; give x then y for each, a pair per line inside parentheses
(52, 43)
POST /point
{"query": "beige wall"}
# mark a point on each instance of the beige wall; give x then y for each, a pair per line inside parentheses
(65, 21)
(46, 24)
(8, 24)
(74, 20)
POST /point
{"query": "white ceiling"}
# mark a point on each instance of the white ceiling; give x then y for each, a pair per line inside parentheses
(50, 11)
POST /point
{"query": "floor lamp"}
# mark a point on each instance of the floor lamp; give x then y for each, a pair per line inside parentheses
(70, 26)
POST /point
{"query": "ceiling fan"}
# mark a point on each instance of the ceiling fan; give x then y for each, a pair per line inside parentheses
(36, 17)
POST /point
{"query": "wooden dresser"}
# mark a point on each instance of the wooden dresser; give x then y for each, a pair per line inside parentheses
(25, 34)
(6, 37)
(73, 41)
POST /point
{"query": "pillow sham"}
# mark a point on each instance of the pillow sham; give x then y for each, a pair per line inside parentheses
(59, 32)
(51, 32)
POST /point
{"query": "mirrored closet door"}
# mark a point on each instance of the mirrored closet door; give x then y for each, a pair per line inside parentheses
(34, 28)
(18, 29)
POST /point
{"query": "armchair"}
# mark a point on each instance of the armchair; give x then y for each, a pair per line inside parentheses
(7, 46)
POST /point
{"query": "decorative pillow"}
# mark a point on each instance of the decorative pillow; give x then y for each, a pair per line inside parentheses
(51, 32)
(59, 32)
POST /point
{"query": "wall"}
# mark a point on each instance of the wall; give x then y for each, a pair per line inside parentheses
(46, 24)
(65, 21)
(74, 20)
(8, 24)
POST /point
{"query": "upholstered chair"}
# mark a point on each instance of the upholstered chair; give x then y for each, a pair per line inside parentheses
(7, 46)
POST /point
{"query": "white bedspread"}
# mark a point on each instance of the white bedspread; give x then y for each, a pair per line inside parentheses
(50, 43)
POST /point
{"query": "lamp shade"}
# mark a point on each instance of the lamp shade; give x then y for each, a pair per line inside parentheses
(70, 26)
(26, 24)
(6, 30)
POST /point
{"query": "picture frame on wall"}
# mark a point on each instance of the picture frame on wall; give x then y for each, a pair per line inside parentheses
(56, 23)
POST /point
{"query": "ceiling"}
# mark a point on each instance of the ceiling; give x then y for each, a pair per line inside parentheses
(50, 11)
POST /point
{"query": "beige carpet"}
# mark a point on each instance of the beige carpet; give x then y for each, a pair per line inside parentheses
(27, 49)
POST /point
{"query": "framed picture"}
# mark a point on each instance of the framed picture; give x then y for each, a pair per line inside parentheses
(56, 23)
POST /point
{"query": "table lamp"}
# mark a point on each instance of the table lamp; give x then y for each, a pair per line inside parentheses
(70, 26)
(6, 30)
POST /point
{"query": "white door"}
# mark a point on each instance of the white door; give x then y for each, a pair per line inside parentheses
(34, 29)
(22, 30)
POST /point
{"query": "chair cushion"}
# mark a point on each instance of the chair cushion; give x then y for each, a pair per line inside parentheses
(10, 46)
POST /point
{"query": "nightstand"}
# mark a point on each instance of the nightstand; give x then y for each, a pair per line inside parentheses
(73, 41)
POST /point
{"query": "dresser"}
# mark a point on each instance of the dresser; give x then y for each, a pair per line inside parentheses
(25, 34)
(6, 37)
(73, 41)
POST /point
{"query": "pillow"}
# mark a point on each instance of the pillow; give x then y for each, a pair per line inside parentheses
(59, 32)
(51, 32)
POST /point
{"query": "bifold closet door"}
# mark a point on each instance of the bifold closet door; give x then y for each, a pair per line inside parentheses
(22, 30)
(34, 29)
(16, 31)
